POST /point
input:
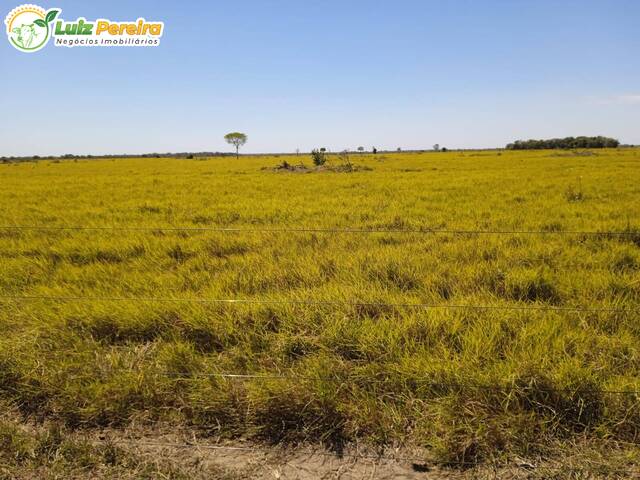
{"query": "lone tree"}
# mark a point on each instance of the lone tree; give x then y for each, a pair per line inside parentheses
(236, 139)
(361, 149)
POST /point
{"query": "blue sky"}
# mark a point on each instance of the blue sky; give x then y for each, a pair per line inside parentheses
(339, 74)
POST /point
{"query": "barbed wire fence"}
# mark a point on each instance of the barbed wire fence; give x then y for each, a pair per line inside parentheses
(633, 235)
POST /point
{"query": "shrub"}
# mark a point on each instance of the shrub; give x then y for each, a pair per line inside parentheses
(318, 157)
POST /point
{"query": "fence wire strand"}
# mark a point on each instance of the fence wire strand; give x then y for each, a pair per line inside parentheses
(425, 230)
(430, 383)
(328, 303)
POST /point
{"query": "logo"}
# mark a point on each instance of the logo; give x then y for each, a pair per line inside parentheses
(29, 28)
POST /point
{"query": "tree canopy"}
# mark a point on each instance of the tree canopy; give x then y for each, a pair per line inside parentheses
(236, 139)
(567, 142)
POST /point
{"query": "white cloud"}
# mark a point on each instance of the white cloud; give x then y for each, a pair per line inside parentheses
(628, 99)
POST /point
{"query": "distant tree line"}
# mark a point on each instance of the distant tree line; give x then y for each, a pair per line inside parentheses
(70, 156)
(567, 142)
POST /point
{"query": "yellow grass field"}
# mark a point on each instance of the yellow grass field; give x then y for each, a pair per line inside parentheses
(479, 305)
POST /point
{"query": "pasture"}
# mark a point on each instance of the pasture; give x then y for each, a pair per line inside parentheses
(455, 302)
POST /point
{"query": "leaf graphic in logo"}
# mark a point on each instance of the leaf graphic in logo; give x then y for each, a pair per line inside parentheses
(51, 15)
(39, 22)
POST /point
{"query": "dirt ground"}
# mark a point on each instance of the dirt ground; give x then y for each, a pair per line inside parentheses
(279, 463)
(165, 452)
(231, 461)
